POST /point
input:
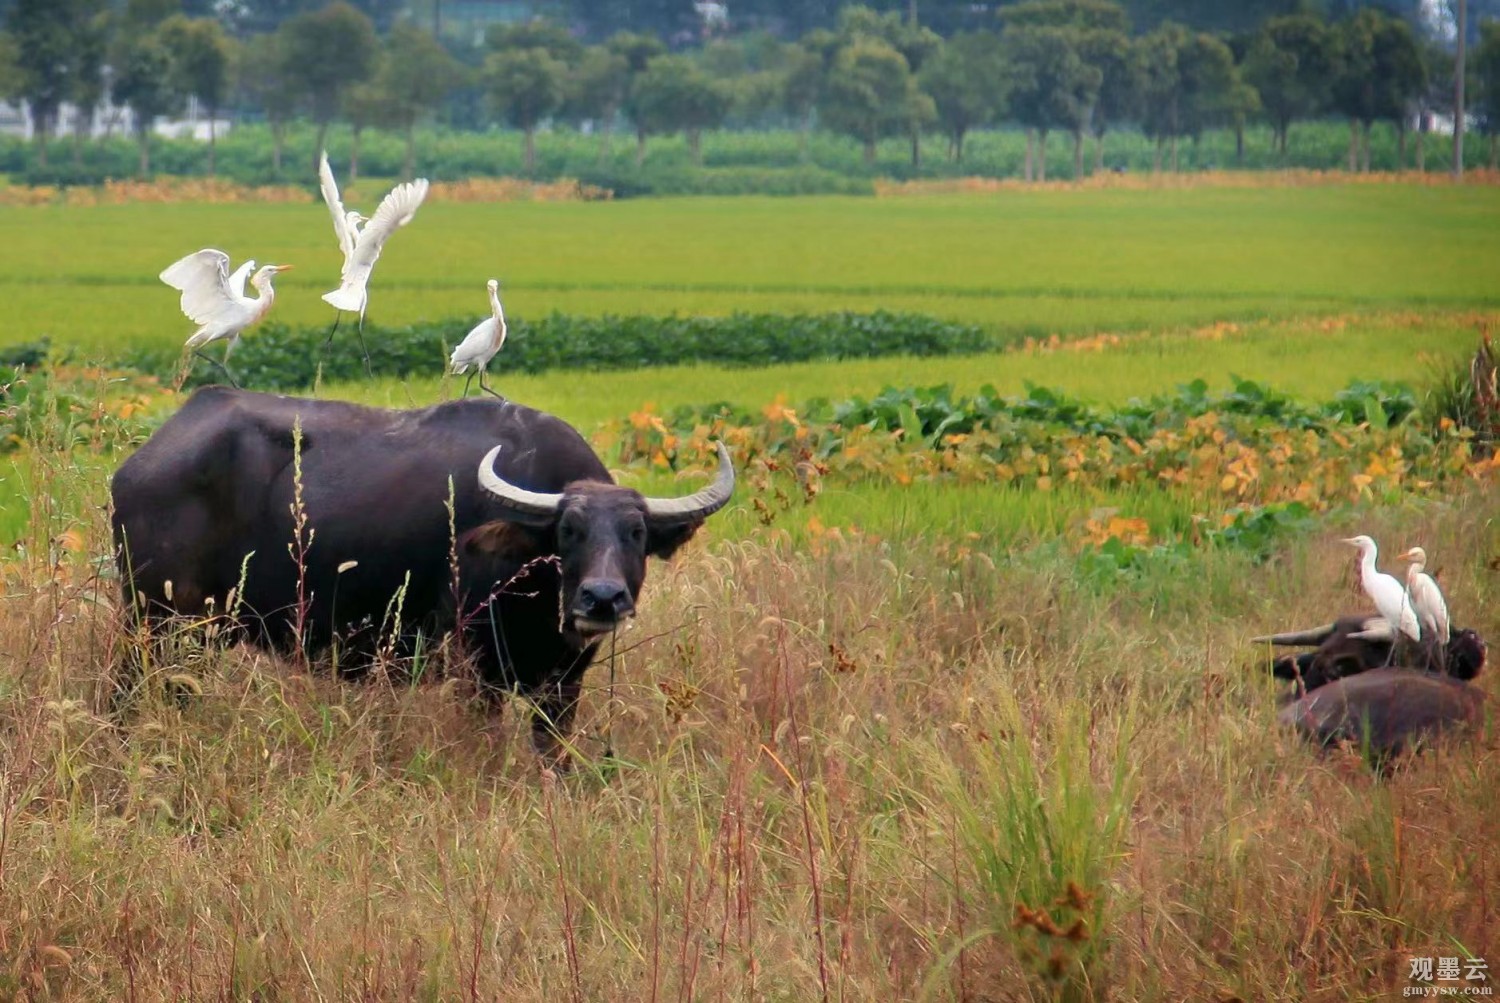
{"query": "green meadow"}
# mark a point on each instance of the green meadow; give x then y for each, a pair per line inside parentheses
(951, 737)
(1024, 262)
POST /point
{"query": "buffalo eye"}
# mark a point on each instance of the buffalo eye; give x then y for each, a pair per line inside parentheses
(636, 534)
(570, 530)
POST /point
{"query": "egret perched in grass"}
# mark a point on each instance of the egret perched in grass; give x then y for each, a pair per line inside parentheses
(215, 300)
(1425, 597)
(362, 240)
(1388, 595)
(481, 344)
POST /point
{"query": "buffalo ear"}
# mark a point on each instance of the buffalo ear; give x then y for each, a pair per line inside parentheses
(505, 540)
(664, 541)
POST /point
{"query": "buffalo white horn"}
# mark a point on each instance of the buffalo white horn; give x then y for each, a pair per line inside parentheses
(699, 504)
(520, 501)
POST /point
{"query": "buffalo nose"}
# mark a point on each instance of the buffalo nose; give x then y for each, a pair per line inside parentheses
(603, 599)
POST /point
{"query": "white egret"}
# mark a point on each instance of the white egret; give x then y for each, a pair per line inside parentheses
(1387, 594)
(482, 343)
(362, 240)
(215, 299)
(1425, 597)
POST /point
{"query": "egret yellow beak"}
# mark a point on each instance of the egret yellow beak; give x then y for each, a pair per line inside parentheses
(1410, 555)
(1350, 540)
(285, 268)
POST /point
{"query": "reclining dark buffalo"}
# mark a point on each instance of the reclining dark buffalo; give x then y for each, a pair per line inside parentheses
(548, 555)
(1354, 644)
(1385, 711)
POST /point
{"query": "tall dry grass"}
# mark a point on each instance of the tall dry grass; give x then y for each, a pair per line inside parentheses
(873, 772)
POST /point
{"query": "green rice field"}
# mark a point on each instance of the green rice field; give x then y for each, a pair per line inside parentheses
(1026, 262)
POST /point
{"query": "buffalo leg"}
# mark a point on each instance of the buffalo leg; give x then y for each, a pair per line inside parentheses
(553, 710)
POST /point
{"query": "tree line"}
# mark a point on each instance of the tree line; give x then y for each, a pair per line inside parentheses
(1073, 67)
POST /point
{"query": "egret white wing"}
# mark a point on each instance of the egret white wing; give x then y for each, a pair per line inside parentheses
(476, 348)
(396, 210)
(237, 280)
(203, 279)
(1431, 608)
(335, 208)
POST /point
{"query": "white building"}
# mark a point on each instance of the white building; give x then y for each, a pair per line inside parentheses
(111, 119)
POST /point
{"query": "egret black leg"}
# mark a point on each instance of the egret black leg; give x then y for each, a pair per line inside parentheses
(470, 380)
(215, 362)
(360, 330)
(486, 387)
(337, 316)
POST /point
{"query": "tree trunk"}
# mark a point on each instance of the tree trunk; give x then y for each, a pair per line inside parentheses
(1353, 146)
(1459, 104)
(78, 128)
(1041, 155)
(1174, 155)
(1156, 157)
(958, 146)
(1421, 151)
(916, 147)
(870, 151)
(604, 131)
(695, 145)
(278, 140)
(528, 163)
(1401, 144)
(640, 147)
(145, 135)
(39, 123)
(1077, 154)
(1030, 140)
(212, 165)
(409, 164)
(354, 155)
(1098, 152)
(1239, 143)
(1364, 153)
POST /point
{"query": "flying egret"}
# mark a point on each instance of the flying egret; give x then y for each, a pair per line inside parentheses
(361, 240)
(1425, 597)
(215, 300)
(482, 343)
(1388, 595)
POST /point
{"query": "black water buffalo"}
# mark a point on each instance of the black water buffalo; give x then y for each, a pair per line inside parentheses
(1354, 644)
(1386, 711)
(541, 556)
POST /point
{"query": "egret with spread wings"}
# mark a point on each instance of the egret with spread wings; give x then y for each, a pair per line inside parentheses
(215, 299)
(362, 240)
(482, 343)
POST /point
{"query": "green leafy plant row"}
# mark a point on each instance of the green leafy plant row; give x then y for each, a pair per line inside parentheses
(929, 414)
(278, 357)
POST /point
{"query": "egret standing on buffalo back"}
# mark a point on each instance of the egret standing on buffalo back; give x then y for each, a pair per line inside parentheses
(1387, 594)
(482, 343)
